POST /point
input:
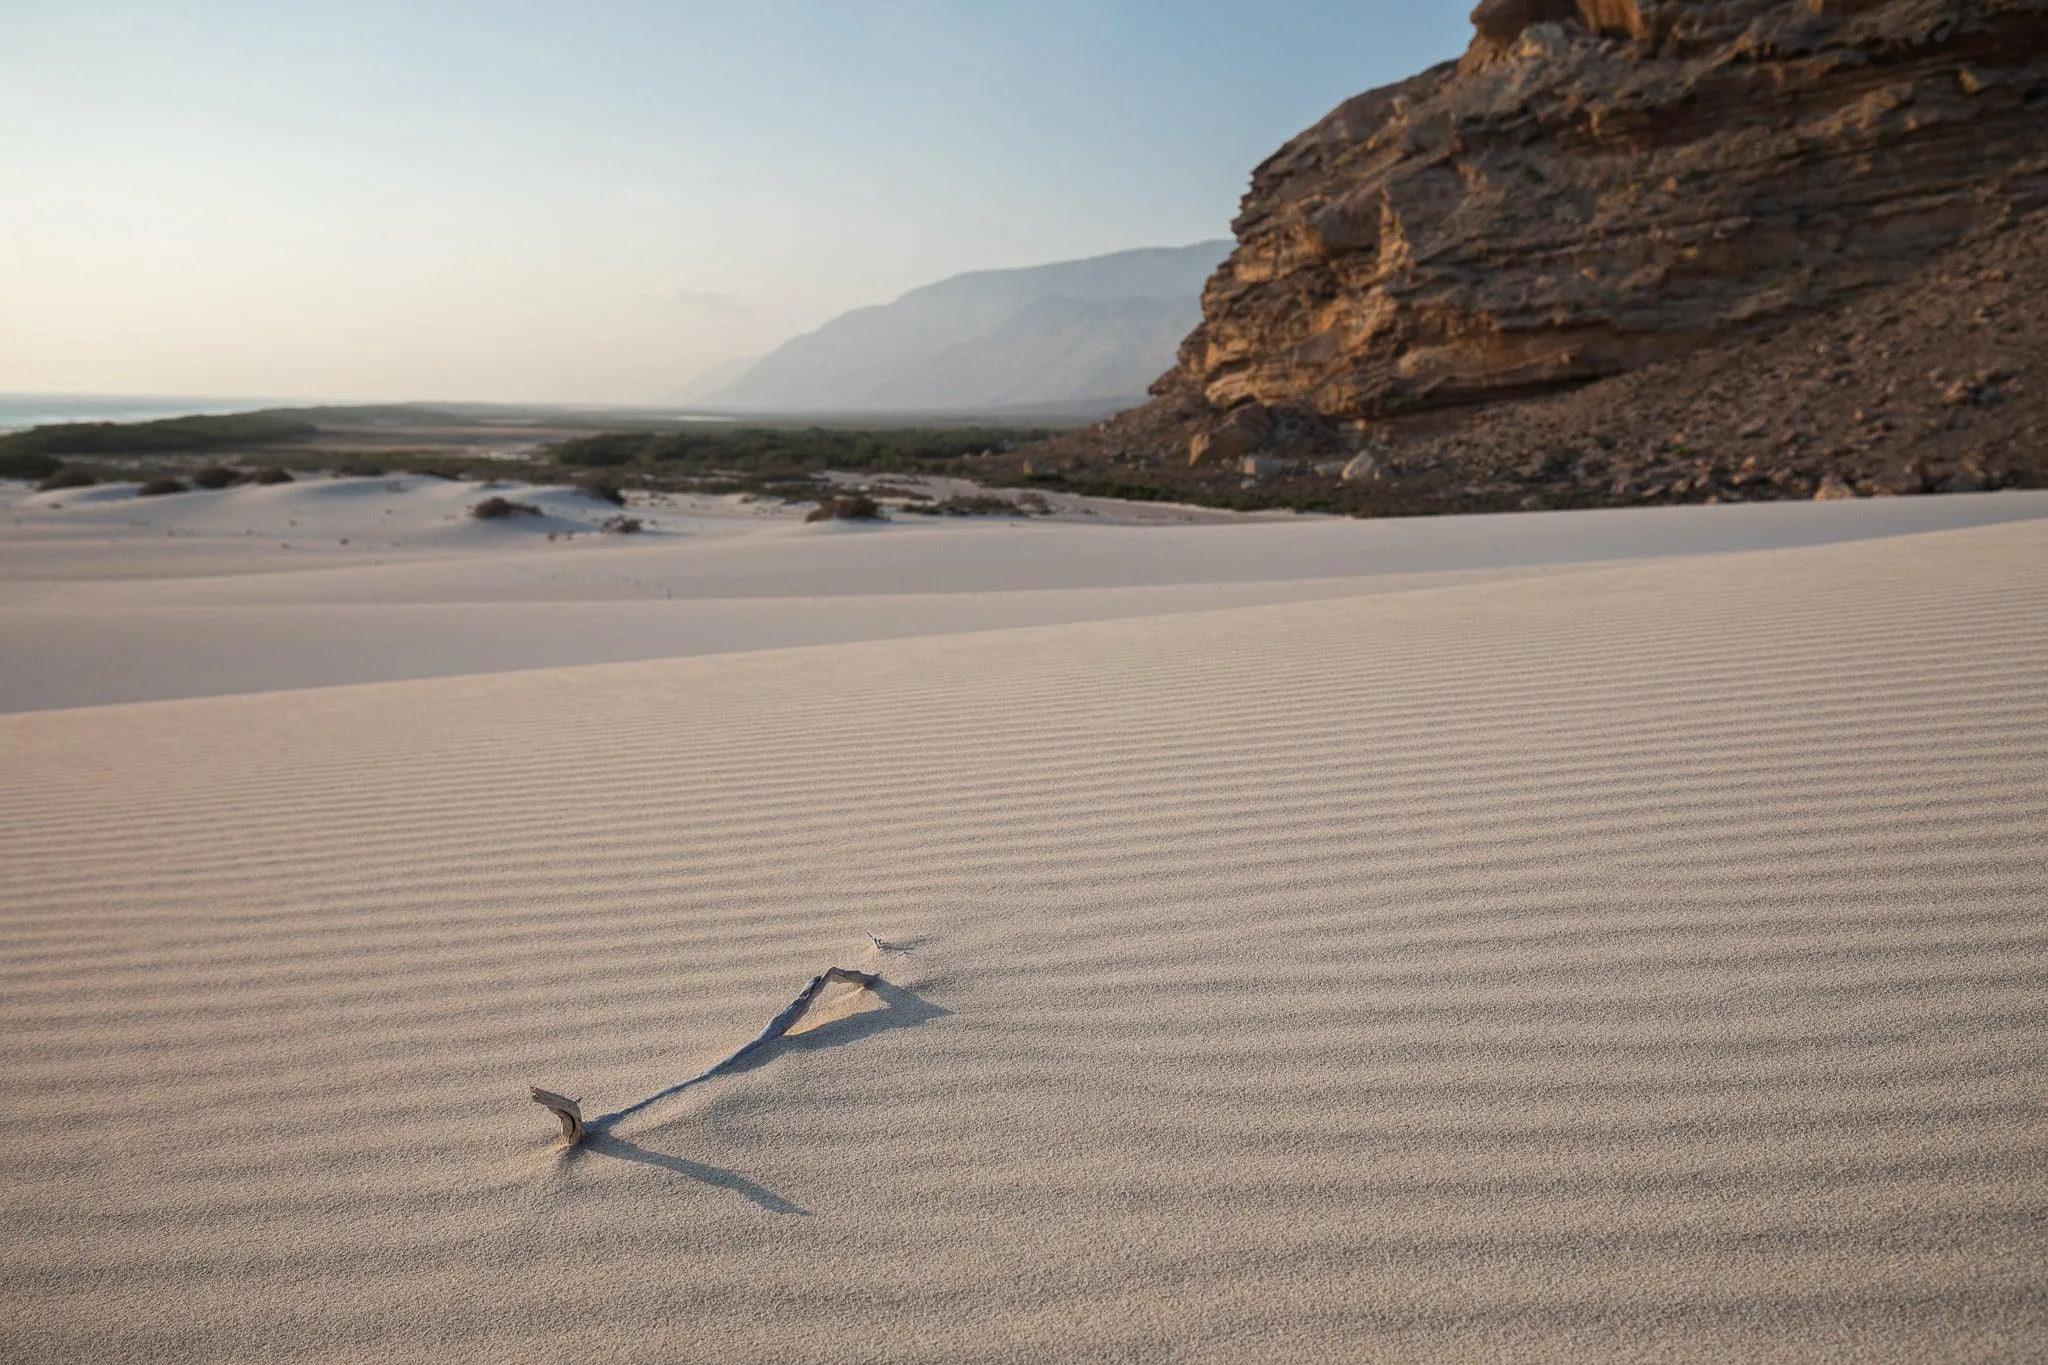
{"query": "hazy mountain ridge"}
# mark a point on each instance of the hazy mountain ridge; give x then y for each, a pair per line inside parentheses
(1101, 328)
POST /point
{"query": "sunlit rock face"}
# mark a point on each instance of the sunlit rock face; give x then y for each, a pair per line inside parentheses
(1599, 184)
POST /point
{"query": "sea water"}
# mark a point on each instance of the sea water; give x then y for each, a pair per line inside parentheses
(19, 410)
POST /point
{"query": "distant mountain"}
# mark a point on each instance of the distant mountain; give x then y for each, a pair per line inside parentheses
(1047, 336)
(720, 376)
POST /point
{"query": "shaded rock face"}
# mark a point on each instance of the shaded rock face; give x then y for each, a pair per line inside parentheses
(1936, 383)
(1601, 185)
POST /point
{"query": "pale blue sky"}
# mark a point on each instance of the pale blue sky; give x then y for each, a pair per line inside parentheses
(595, 200)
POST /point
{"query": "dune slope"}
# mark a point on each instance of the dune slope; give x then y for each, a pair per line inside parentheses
(165, 602)
(1648, 961)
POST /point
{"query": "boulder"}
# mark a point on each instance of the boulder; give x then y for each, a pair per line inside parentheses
(1502, 21)
(1360, 469)
(1237, 435)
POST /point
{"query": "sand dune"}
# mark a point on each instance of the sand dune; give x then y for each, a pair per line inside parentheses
(1645, 961)
(120, 600)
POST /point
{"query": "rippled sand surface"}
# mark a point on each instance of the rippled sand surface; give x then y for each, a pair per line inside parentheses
(1648, 960)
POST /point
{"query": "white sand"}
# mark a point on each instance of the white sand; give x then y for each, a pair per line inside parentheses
(108, 598)
(1641, 959)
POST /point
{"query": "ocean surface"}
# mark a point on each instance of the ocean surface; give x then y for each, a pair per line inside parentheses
(19, 410)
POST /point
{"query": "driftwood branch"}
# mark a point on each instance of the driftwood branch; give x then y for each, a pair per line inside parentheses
(574, 1129)
(565, 1109)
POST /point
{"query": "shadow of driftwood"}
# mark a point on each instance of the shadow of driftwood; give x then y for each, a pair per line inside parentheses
(900, 1009)
(604, 1144)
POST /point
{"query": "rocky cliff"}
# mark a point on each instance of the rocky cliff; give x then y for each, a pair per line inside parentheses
(1596, 187)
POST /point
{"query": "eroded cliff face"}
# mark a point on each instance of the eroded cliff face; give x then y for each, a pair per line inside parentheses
(1599, 185)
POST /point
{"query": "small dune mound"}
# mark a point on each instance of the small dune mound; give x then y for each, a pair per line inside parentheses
(66, 478)
(157, 488)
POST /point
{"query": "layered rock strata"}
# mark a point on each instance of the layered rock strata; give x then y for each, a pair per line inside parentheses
(1602, 185)
(1935, 383)
(1597, 186)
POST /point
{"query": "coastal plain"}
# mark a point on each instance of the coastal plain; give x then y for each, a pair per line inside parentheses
(1611, 934)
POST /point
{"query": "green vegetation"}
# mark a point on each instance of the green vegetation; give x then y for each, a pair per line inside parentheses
(847, 507)
(981, 505)
(602, 490)
(172, 435)
(790, 452)
(495, 508)
(26, 464)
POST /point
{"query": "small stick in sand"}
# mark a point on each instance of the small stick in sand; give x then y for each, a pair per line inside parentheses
(565, 1109)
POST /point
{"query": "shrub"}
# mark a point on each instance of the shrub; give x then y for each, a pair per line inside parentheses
(496, 508)
(27, 464)
(621, 526)
(847, 507)
(156, 488)
(602, 451)
(216, 476)
(983, 505)
(166, 434)
(67, 478)
(787, 450)
(604, 490)
(271, 475)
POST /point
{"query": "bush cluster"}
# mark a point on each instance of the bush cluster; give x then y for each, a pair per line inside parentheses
(170, 435)
(27, 464)
(602, 489)
(789, 450)
(982, 505)
(847, 507)
(496, 508)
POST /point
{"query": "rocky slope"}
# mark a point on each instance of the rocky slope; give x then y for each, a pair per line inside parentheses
(1472, 273)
